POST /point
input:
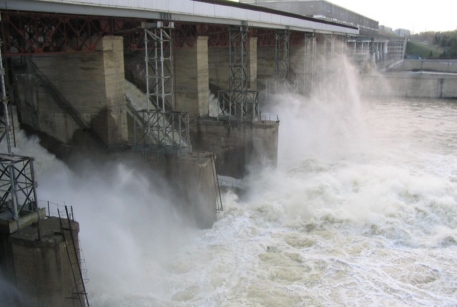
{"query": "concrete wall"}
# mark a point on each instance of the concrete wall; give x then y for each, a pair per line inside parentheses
(192, 78)
(93, 83)
(42, 268)
(427, 65)
(219, 71)
(6, 259)
(237, 148)
(193, 177)
(265, 65)
(112, 125)
(297, 65)
(418, 85)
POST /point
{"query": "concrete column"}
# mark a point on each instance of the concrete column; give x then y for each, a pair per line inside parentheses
(192, 78)
(297, 64)
(92, 83)
(265, 65)
(253, 63)
(112, 124)
(43, 268)
(193, 178)
(219, 70)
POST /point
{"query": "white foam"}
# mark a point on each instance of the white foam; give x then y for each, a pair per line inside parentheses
(362, 211)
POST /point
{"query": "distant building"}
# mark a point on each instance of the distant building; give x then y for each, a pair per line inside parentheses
(403, 32)
(383, 30)
(397, 48)
(323, 10)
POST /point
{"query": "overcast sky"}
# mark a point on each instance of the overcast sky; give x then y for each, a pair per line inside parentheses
(414, 15)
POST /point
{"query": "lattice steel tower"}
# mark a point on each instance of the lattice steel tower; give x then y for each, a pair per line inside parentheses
(158, 128)
(17, 175)
(238, 101)
(282, 53)
(309, 62)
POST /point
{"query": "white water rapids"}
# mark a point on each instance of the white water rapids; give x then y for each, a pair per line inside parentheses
(361, 211)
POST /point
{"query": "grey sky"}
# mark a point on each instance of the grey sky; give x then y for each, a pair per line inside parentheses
(417, 16)
(414, 15)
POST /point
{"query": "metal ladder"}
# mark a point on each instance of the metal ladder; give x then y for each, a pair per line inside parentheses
(219, 205)
(76, 263)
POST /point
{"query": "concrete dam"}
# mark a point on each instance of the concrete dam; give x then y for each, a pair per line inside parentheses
(180, 87)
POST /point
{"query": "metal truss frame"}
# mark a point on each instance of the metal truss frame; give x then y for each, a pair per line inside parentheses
(159, 128)
(17, 185)
(164, 132)
(238, 101)
(27, 33)
(309, 61)
(282, 52)
(159, 65)
(238, 58)
(240, 105)
(267, 37)
(218, 35)
(328, 54)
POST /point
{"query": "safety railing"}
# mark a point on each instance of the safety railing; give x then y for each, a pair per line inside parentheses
(166, 132)
(242, 105)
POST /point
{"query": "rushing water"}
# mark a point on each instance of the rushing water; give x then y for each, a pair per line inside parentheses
(361, 211)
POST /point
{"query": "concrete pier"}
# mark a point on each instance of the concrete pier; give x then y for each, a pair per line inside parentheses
(35, 259)
(193, 177)
(92, 84)
(239, 146)
(192, 78)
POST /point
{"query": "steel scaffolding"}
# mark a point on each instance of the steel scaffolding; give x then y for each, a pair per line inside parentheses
(162, 132)
(159, 65)
(282, 53)
(238, 101)
(17, 186)
(328, 56)
(158, 128)
(281, 82)
(17, 176)
(238, 58)
(309, 62)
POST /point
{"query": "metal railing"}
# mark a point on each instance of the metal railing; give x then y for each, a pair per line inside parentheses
(242, 105)
(75, 258)
(73, 248)
(166, 132)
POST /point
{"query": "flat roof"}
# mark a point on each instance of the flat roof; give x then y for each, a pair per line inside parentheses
(198, 11)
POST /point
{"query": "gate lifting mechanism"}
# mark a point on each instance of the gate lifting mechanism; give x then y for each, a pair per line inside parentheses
(17, 175)
(238, 101)
(158, 128)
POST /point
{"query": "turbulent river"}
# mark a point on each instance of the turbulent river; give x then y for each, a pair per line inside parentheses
(361, 211)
